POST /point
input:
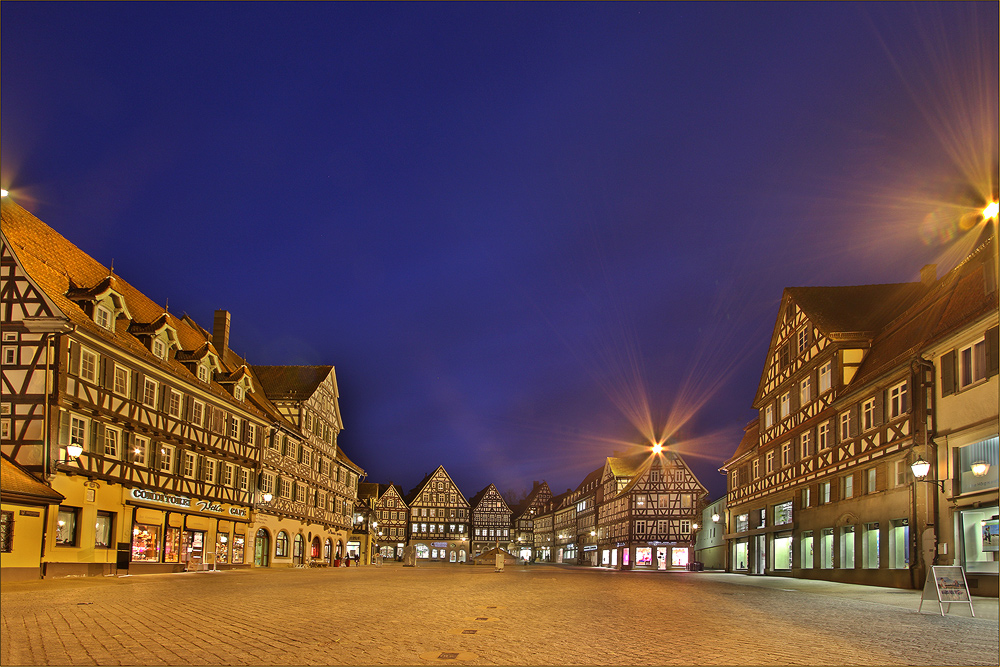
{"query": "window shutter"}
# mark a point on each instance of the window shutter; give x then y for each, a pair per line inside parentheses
(855, 420)
(906, 397)
(948, 373)
(138, 380)
(992, 351)
(64, 428)
(74, 358)
(880, 403)
(97, 438)
(109, 373)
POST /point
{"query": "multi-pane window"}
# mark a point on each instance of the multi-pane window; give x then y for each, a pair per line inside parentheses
(203, 373)
(786, 454)
(755, 469)
(159, 349)
(285, 488)
(806, 497)
(174, 404)
(868, 414)
(77, 431)
(112, 440)
(197, 413)
(972, 363)
(806, 442)
(189, 464)
(281, 545)
(103, 317)
(901, 470)
(824, 493)
(244, 479)
(872, 484)
(803, 339)
(251, 434)
(306, 456)
(848, 486)
(88, 365)
(845, 426)
(805, 391)
(826, 377)
(238, 392)
(768, 416)
(685, 526)
(786, 405)
(121, 380)
(769, 461)
(9, 355)
(208, 470)
(267, 483)
(899, 402)
(234, 427)
(823, 432)
(149, 393)
(166, 458)
(139, 449)
(640, 526)
(227, 474)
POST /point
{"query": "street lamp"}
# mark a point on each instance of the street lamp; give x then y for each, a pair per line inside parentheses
(991, 211)
(716, 517)
(920, 468)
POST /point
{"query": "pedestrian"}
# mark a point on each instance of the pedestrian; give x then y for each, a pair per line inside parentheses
(357, 558)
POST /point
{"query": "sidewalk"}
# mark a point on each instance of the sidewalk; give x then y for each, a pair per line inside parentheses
(905, 598)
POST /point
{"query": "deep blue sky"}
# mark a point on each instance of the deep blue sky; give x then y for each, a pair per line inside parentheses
(504, 224)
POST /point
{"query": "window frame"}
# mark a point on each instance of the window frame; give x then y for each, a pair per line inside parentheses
(103, 317)
(112, 442)
(825, 377)
(74, 513)
(149, 399)
(89, 361)
(140, 450)
(898, 399)
(868, 417)
(805, 391)
(166, 459)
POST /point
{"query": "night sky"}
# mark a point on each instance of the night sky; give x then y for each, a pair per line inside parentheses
(526, 235)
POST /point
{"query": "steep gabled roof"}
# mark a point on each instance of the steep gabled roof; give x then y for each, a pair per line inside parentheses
(293, 383)
(751, 436)
(17, 485)
(476, 499)
(626, 466)
(64, 272)
(592, 477)
(416, 491)
(854, 310)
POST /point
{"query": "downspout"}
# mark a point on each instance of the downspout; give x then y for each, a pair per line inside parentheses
(925, 425)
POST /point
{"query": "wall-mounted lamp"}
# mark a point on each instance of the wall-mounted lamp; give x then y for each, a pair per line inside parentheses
(980, 468)
(920, 468)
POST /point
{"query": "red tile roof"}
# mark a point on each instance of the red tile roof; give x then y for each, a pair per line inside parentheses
(17, 485)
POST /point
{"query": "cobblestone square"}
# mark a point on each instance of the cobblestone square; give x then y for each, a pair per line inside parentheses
(472, 615)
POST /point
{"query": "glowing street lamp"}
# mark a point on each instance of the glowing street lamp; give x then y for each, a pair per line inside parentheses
(657, 448)
(74, 451)
(991, 211)
(920, 468)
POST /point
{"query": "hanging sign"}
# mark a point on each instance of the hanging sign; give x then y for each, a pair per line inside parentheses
(947, 584)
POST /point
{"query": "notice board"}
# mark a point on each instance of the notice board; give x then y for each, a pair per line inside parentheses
(946, 584)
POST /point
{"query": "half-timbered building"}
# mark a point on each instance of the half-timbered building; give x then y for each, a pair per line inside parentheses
(522, 520)
(650, 504)
(490, 525)
(821, 485)
(311, 483)
(128, 411)
(439, 519)
(586, 498)
(392, 515)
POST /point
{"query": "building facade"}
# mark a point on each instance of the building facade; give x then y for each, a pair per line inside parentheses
(148, 425)
(523, 520)
(439, 519)
(860, 383)
(490, 525)
(392, 515)
(649, 506)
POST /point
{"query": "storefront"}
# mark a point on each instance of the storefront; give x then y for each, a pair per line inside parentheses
(442, 552)
(173, 533)
(977, 515)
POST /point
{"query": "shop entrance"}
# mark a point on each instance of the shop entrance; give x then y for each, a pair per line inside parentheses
(262, 549)
(661, 558)
(298, 550)
(315, 550)
(760, 555)
(193, 547)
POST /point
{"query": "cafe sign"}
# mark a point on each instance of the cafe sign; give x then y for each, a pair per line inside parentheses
(195, 506)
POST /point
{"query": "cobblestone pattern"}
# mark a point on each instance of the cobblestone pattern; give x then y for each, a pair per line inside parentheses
(533, 615)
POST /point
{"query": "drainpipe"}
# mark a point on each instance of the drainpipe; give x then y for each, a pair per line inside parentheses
(924, 422)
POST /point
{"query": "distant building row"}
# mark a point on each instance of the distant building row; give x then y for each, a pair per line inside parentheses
(638, 511)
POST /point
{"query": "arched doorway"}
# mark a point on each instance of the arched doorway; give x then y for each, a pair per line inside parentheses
(262, 549)
(298, 550)
(315, 550)
(327, 551)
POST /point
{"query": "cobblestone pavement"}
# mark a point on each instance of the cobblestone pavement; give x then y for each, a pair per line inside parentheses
(437, 615)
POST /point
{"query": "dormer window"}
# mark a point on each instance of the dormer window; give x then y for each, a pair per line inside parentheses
(203, 373)
(238, 392)
(102, 315)
(159, 348)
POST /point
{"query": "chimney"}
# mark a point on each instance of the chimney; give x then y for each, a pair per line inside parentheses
(928, 274)
(220, 332)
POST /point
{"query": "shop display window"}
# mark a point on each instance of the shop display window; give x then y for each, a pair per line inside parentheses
(145, 543)
(66, 526)
(980, 539)
(643, 556)
(869, 547)
(783, 551)
(423, 551)
(222, 548)
(826, 549)
(740, 559)
(172, 546)
(847, 547)
(899, 539)
(976, 466)
(679, 557)
(807, 549)
(239, 542)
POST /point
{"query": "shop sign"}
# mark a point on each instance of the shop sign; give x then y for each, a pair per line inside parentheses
(160, 498)
(590, 547)
(440, 545)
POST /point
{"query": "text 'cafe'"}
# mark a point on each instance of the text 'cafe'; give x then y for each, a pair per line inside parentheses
(172, 532)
